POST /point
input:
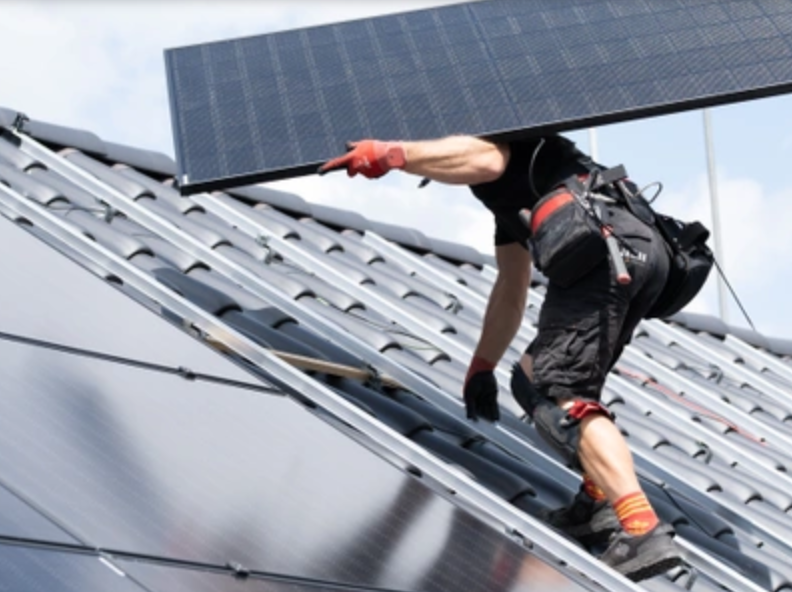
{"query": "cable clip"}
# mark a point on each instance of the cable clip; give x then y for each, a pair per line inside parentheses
(240, 571)
(19, 122)
(109, 212)
(263, 242)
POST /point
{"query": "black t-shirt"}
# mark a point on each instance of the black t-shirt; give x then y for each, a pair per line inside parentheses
(555, 160)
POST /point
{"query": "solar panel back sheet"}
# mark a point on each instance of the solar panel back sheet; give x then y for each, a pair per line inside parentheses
(277, 105)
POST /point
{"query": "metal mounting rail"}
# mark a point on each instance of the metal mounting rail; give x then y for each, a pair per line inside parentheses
(385, 442)
(696, 556)
(760, 357)
(729, 366)
(470, 299)
(311, 263)
(507, 433)
(739, 417)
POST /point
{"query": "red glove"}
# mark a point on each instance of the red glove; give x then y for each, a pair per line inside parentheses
(370, 158)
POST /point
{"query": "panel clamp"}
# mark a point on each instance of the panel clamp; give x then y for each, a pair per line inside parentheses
(19, 122)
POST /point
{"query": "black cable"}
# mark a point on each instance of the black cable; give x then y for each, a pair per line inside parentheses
(733, 293)
(656, 195)
(531, 167)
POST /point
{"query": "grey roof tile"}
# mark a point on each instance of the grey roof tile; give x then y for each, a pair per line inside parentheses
(441, 421)
(211, 300)
(407, 237)
(76, 195)
(165, 251)
(780, 347)
(62, 137)
(268, 337)
(426, 352)
(273, 197)
(161, 192)
(750, 337)
(190, 223)
(354, 247)
(754, 570)
(121, 183)
(122, 244)
(30, 186)
(547, 489)
(146, 160)
(404, 420)
(11, 156)
(500, 481)
(373, 336)
(455, 251)
(700, 322)
(338, 218)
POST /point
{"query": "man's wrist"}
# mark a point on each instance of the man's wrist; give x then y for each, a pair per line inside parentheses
(480, 364)
(395, 155)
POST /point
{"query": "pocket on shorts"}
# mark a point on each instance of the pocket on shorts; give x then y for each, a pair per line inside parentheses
(569, 357)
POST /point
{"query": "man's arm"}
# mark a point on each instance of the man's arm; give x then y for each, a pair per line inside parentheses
(456, 160)
(502, 319)
(507, 300)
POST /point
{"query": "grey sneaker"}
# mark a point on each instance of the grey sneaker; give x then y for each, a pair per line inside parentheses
(587, 521)
(642, 557)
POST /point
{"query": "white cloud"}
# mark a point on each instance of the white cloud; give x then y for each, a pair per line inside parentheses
(100, 65)
(756, 245)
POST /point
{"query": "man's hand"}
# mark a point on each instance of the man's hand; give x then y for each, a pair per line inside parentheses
(370, 158)
(481, 390)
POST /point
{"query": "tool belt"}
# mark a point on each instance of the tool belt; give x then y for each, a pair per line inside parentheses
(569, 235)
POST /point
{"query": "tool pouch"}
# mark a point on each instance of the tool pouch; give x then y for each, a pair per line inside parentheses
(566, 241)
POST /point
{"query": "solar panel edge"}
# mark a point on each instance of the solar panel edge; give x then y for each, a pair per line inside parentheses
(191, 187)
(393, 99)
(173, 99)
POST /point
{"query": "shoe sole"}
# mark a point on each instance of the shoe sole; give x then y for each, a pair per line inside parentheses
(657, 568)
(593, 539)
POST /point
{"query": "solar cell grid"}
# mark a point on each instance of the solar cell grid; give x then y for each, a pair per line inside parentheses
(277, 105)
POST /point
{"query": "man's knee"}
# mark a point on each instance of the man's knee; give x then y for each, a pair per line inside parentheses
(560, 427)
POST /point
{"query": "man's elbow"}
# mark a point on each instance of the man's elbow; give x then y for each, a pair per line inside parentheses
(491, 164)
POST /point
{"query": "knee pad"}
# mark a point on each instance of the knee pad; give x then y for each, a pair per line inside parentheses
(523, 390)
(560, 428)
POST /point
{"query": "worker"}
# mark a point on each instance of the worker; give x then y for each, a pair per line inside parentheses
(582, 329)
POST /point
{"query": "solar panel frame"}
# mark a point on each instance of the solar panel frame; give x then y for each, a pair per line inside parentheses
(277, 105)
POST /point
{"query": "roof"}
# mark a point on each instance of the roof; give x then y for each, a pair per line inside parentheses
(165, 451)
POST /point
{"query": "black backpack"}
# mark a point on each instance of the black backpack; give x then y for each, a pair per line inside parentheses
(686, 242)
(691, 262)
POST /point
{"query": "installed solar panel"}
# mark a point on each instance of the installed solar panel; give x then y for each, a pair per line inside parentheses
(274, 106)
(147, 463)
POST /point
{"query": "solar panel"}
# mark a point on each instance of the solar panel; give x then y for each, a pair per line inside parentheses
(32, 569)
(48, 298)
(275, 106)
(146, 463)
(19, 521)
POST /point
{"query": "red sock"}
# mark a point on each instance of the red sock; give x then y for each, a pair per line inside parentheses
(592, 489)
(635, 513)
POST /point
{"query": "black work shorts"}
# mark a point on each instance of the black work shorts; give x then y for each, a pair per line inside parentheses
(582, 329)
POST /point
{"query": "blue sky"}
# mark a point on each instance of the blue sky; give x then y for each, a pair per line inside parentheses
(99, 66)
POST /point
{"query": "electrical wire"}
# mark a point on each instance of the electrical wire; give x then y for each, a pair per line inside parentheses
(733, 293)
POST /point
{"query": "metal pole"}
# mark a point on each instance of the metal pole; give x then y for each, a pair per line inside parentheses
(593, 145)
(716, 225)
